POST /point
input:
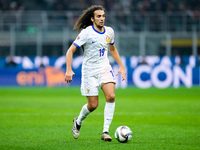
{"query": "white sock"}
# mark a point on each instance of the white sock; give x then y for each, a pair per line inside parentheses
(83, 114)
(108, 115)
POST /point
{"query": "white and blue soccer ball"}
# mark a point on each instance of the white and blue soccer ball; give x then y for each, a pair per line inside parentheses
(123, 134)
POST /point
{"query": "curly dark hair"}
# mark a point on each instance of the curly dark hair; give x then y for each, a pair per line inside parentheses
(85, 19)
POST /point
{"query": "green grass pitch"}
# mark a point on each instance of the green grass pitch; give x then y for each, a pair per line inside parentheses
(41, 118)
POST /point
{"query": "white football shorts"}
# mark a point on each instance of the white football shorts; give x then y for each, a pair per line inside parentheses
(90, 84)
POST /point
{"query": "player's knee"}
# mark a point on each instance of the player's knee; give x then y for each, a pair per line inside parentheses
(93, 106)
(110, 98)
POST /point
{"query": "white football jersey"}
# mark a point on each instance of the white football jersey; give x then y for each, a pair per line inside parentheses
(95, 49)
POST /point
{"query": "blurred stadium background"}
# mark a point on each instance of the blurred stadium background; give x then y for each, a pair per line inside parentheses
(158, 40)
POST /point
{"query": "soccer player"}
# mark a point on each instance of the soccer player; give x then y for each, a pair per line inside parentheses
(96, 39)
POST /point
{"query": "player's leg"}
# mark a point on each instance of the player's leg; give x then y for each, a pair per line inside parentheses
(88, 108)
(109, 92)
(85, 111)
(88, 89)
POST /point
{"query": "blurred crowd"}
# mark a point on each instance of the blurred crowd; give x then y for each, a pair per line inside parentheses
(126, 6)
(12, 5)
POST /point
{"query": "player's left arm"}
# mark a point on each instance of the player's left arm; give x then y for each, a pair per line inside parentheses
(115, 55)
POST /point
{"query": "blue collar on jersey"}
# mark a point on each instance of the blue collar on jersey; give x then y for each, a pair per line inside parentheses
(98, 31)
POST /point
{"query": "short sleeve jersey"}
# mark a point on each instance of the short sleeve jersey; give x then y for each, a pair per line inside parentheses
(95, 49)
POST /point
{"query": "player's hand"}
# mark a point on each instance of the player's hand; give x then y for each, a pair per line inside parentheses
(68, 76)
(123, 72)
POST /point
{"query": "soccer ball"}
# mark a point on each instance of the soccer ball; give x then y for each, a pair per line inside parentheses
(123, 134)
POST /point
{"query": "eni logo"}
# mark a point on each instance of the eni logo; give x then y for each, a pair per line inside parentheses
(51, 76)
(107, 39)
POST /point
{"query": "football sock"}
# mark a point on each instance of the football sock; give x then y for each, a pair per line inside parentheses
(108, 115)
(83, 114)
(78, 126)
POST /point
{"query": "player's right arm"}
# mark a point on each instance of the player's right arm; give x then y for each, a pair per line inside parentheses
(69, 56)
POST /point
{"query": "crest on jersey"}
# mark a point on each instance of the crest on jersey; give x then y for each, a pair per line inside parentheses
(107, 39)
(88, 90)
